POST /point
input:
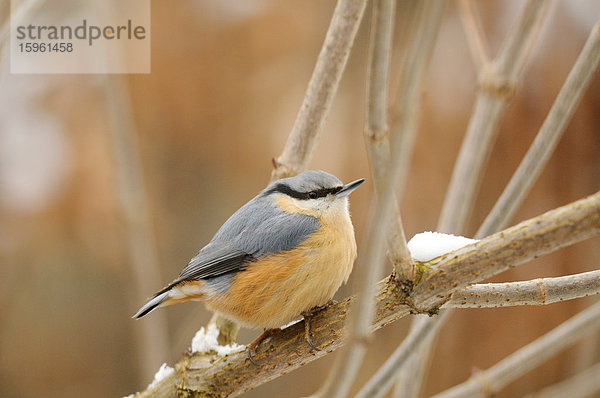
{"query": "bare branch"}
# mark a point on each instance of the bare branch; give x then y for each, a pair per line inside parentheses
(542, 147)
(488, 382)
(583, 384)
(201, 375)
(541, 291)
(321, 89)
(474, 33)
(376, 130)
(497, 87)
(405, 110)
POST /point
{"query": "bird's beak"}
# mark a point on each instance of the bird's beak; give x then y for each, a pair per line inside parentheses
(349, 188)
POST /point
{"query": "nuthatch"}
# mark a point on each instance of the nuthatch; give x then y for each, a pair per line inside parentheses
(284, 253)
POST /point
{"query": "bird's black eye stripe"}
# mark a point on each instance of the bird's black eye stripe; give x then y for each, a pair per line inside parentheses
(321, 193)
(318, 193)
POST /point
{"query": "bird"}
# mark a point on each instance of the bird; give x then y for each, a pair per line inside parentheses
(282, 255)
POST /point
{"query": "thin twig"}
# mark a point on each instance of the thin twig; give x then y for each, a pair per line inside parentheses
(488, 382)
(583, 384)
(198, 375)
(321, 89)
(547, 138)
(497, 87)
(376, 130)
(541, 291)
(405, 109)
(474, 33)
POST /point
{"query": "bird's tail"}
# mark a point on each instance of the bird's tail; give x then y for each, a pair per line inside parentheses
(151, 305)
(176, 292)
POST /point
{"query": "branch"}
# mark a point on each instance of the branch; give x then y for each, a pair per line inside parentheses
(552, 129)
(497, 87)
(376, 130)
(421, 41)
(583, 384)
(488, 382)
(474, 33)
(541, 291)
(321, 89)
(201, 375)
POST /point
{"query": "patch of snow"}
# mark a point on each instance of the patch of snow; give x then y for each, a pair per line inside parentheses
(205, 340)
(429, 245)
(164, 372)
(287, 325)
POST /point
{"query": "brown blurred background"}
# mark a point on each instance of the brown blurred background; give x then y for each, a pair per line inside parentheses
(227, 80)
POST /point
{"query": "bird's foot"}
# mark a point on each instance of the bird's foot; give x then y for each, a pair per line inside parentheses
(307, 316)
(251, 348)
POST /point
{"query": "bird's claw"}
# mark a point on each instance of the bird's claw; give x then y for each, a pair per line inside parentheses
(307, 315)
(251, 348)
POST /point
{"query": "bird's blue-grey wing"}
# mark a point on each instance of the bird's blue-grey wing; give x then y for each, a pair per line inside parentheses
(254, 231)
(214, 259)
(260, 228)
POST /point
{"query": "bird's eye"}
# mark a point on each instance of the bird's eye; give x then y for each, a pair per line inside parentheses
(312, 195)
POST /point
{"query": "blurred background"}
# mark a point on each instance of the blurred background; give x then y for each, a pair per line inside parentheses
(110, 184)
